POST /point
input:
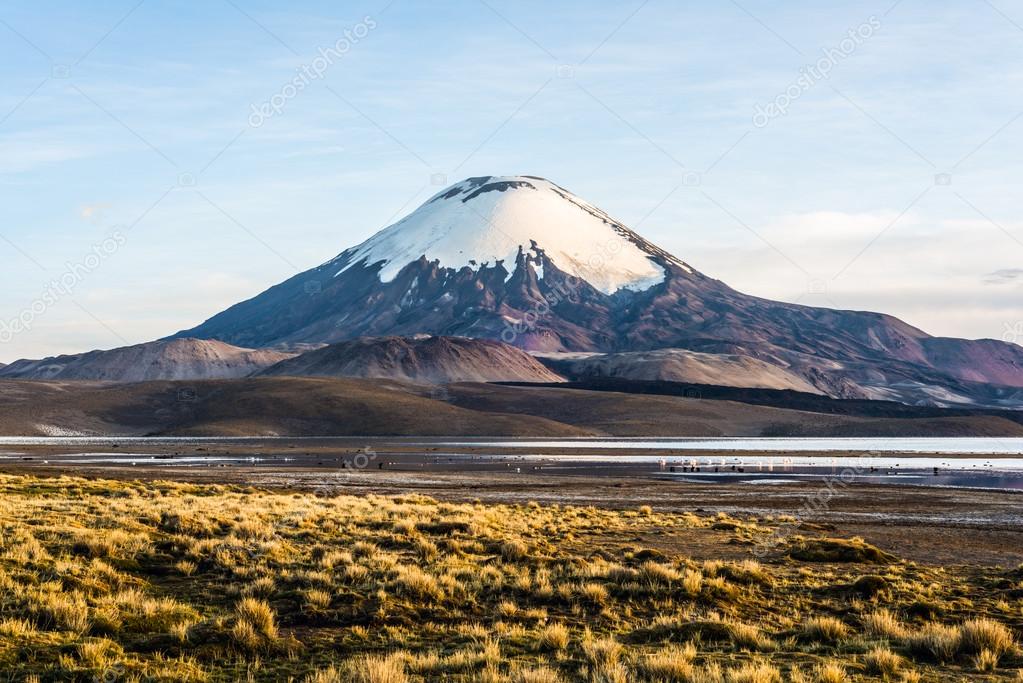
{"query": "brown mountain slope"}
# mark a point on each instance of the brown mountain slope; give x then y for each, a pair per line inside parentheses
(431, 360)
(622, 414)
(679, 365)
(287, 406)
(306, 406)
(177, 359)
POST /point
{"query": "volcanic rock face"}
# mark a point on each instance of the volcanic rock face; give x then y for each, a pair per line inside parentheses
(162, 360)
(427, 360)
(522, 260)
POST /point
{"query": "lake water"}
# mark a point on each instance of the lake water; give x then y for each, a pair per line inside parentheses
(948, 446)
(967, 462)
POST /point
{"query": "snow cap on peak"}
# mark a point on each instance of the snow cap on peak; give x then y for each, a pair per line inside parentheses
(489, 219)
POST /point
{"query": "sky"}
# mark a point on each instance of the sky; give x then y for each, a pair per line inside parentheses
(161, 161)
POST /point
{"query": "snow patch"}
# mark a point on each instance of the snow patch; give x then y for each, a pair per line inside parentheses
(54, 430)
(490, 219)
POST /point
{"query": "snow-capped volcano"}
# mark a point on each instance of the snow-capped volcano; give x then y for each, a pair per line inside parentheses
(492, 219)
(521, 260)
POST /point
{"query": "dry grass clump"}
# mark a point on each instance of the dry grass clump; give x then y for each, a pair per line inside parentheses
(257, 615)
(824, 630)
(672, 663)
(837, 550)
(604, 656)
(16, 628)
(109, 543)
(884, 624)
(754, 672)
(514, 550)
(536, 674)
(59, 611)
(134, 611)
(553, 637)
(830, 672)
(329, 675)
(986, 661)
(377, 669)
(692, 581)
(317, 599)
(936, 642)
(98, 653)
(984, 640)
(977, 636)
(594, 593)
(414, 583)
(657, 574)
(745, 572)
(883, 662)
(186, 567)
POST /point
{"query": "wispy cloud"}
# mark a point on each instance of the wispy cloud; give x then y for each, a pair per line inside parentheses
(1006, 276)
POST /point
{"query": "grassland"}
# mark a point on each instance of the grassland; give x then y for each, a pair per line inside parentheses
(161, 581)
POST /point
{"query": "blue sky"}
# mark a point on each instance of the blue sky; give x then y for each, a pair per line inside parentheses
(892, 184)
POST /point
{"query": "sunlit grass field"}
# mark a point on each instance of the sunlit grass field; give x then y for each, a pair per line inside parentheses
(115, 581)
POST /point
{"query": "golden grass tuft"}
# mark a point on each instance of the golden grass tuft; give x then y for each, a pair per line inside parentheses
(259, 615)
(979, 635)
(883, 662)
(317, 599)
(60, 611)
(536, 674)
(672, 663)
(377, 669)
(936, 642)
(329, 675)
(594, 593)
(13, 627)
(838, 550)
(414, 583)
(884, 624)
(553, 637)
(604, 657)
(754, 672)
(514, 550)
(986, 661)
(98, 653)
(830, 672)
(824, 629)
